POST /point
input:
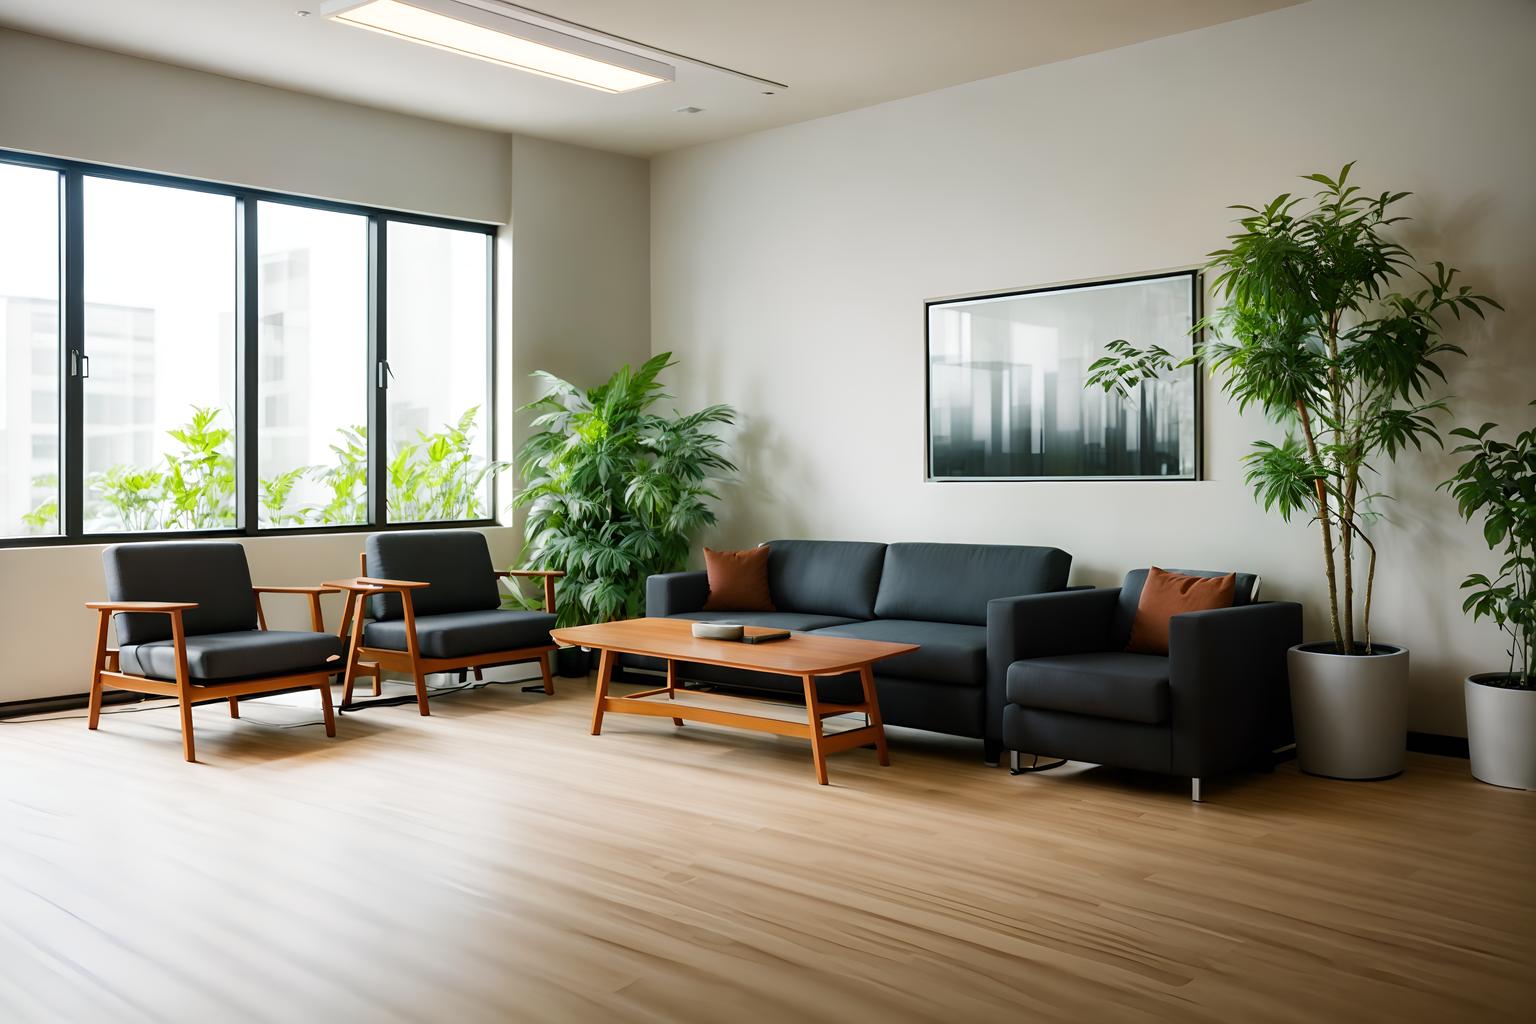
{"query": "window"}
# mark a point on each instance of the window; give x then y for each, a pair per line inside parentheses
(177, 356)
(29, 351)
(312, 456)
(161, 287)
(439, 333)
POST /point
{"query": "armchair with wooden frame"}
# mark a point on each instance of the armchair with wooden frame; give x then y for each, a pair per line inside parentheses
(429, 601)
(190, 626)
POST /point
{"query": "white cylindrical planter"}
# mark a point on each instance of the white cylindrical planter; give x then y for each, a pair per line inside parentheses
(1501, 732)
(1350, 711)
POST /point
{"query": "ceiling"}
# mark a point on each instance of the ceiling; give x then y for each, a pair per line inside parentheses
(834, 55)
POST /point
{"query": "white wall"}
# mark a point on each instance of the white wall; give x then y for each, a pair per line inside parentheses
(573, 288)
(789, 270)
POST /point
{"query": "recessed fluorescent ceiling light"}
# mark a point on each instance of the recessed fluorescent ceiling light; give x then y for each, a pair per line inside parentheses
(476, 32)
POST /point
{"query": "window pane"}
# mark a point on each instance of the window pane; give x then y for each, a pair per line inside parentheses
(439, 335)
(29, 351)
(160, 289)
(312, 374)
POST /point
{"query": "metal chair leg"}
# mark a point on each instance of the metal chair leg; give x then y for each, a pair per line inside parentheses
(1035, 765)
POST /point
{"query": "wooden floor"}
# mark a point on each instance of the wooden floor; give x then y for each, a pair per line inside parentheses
(495, 862)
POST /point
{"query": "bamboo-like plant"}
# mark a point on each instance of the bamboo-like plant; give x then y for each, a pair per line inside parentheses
(1498, 482)
(1312, 332)
(614, 491)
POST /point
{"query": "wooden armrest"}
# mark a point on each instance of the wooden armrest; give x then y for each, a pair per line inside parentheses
(549, 573)
(166, 607)
(369, 584)
(294, 590)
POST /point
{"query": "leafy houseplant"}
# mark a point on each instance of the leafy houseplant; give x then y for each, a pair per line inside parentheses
(1497, 481)
(1312, 331)
(614, 490)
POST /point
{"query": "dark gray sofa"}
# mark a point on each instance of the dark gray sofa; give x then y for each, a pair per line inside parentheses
(953, 600)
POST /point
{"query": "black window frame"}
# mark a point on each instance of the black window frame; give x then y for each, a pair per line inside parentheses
(72, 175)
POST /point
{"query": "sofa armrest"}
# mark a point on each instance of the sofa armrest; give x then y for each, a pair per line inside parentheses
(1038, 625)
(1228, 687)
(671, 593)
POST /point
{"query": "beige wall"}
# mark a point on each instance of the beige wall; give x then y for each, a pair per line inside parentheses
(573, 288)
(581, 220)
(790, 267)
(75, 101)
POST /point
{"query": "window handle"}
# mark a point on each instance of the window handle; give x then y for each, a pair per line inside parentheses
(85, 367)
(79, 364)
(385, 373)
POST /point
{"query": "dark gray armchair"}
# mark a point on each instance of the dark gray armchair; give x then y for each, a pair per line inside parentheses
(190, 626)
(435, 606)
(1219, 701)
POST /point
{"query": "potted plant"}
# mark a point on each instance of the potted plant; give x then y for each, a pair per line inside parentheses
(1498, 482)
(1313, 332)
(615, 491)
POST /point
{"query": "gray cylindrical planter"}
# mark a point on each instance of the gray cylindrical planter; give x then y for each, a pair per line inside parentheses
(1351, 711)
(1501, 732)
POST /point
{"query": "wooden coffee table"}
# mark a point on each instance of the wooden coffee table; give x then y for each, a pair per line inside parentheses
(804, 656)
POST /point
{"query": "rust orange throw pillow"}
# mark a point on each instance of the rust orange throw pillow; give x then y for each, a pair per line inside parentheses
(738, 580)
(1167, 594)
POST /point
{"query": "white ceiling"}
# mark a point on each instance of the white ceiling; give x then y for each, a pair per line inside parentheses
(834, 55)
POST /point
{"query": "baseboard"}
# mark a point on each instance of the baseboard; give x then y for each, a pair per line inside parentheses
(1434, 743)
(65, 702)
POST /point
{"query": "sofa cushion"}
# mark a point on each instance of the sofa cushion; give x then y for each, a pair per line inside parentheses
(954, 582)
(1126, 687)
(461, 634)
(825, 577)
(738, 580)
(1245, 591)
(772, 620)
(213, 574)
(244, 654)
(948, 653)
(457, 564)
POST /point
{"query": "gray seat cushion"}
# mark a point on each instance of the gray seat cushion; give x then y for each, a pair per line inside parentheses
(772, 620)
(462, 634)
(213, 574)
(457, 564)
(949, 652)
(954, 582)
(825, 577)
(1125, 687)
(246, 654)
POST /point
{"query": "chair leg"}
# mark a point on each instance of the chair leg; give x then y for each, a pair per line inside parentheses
(326, 711)
(549, 680)
(188, 747)
(1194, 791)
(96, 667)
(421, 692)
(234, 707)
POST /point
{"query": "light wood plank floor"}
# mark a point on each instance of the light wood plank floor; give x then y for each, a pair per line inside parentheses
(494, 862)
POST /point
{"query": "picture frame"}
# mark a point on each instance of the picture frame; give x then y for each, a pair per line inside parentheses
(1005, 375)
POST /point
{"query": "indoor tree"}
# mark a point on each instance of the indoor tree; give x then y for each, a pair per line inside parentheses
(1498, 481)
(1313, 330)
(614, 490)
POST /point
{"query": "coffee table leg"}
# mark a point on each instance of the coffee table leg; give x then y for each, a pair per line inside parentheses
(604, 676)
(672, 686)
(813, 710)
(872, 709)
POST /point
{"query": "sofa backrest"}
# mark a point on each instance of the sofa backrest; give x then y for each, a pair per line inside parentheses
(457, 564)
(825, 577)
(1246, 591)
(212, 573)
(954, 582)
